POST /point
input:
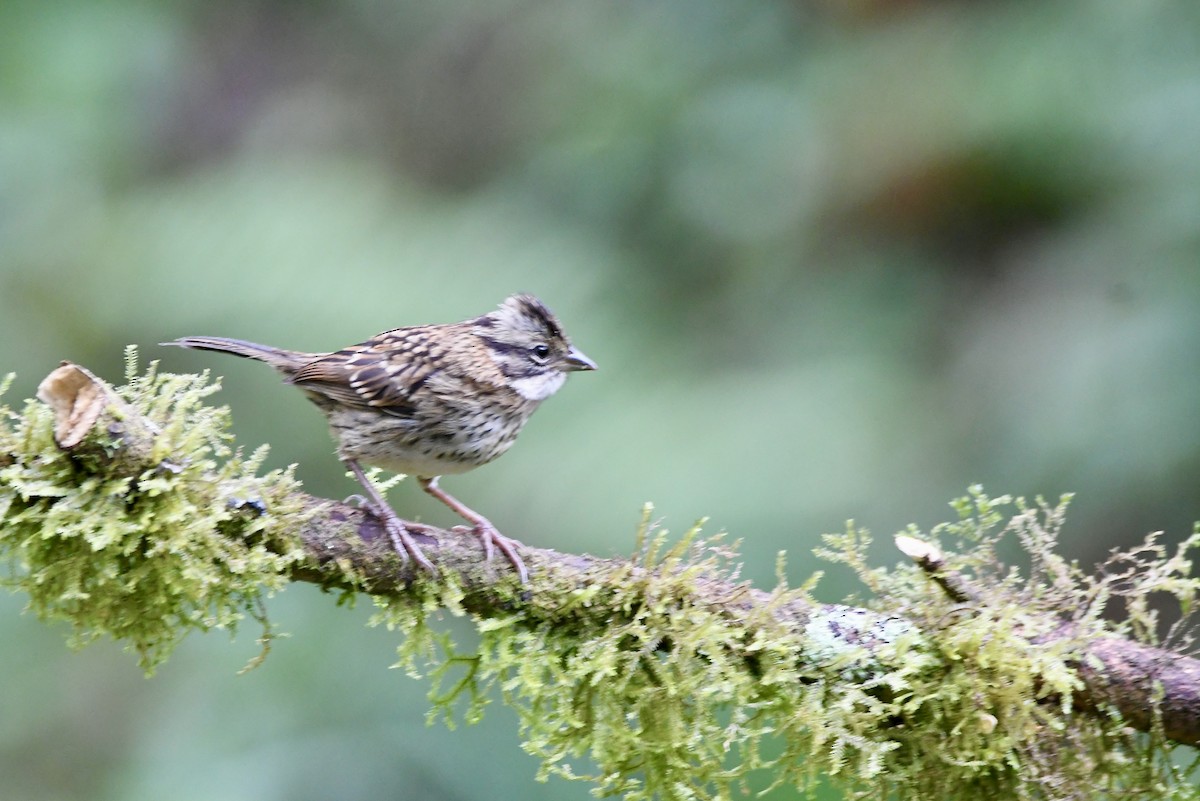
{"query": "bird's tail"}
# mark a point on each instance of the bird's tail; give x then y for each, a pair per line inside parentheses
(285, 361)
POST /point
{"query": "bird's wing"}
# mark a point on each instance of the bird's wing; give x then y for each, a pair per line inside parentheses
(384, 373)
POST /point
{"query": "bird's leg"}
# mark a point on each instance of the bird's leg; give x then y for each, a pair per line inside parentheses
(402, 541)
(492, 539)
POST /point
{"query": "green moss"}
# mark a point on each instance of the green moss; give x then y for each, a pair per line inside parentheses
(665, 694)
(662, 677)
(995, 719)
(650, 682)
(145, 558)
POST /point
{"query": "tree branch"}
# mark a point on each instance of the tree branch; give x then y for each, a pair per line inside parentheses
(346, 547)
(1140, 681)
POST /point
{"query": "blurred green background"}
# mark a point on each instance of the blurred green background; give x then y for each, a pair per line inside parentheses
(835, 259)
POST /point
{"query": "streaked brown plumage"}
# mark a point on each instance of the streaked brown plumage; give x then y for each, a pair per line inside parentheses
(430, 400)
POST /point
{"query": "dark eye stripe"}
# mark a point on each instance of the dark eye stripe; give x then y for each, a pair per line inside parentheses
(522, 370)
(502, 347)
(520, 367)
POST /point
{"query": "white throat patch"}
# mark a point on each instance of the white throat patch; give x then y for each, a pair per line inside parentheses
(539, 387)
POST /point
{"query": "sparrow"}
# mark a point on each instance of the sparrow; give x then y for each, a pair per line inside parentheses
(430, 400)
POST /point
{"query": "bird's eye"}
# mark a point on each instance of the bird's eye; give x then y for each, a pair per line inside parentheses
(540, 353)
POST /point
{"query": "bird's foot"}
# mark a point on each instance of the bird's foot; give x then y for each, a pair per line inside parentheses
(494, 541)
(403, 542)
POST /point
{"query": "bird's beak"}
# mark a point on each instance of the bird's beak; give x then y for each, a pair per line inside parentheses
(577, 361)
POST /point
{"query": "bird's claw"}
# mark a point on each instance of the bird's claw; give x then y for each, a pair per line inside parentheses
(404, 544)
(494, 541)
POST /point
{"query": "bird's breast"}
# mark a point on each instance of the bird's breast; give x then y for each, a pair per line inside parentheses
(434, 442)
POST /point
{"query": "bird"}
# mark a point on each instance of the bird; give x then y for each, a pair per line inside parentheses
(430, 400)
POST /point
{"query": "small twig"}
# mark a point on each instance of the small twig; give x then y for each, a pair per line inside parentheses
(929, 558)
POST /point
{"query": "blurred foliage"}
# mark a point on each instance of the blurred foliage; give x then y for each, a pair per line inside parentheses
(835, 259)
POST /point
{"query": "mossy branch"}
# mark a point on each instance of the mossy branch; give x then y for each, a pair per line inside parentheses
(126, 513)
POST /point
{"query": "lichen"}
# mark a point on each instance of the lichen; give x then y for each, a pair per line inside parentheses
(192, 542)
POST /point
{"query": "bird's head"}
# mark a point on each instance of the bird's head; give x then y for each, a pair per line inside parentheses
(529, 346)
